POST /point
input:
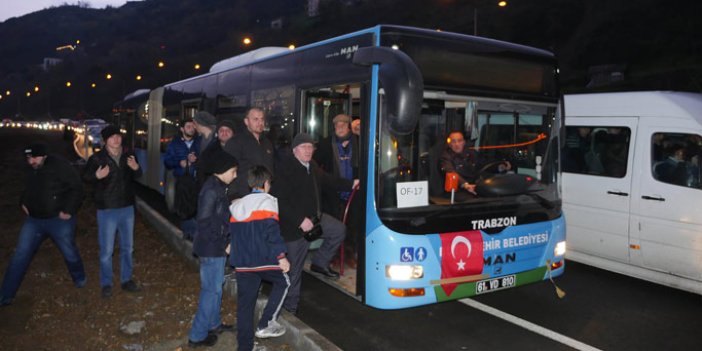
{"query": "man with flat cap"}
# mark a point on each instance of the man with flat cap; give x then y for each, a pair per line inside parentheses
(298, 186)
(53, 193)
(112, 170)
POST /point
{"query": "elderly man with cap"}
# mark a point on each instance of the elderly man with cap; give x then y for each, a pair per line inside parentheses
(250, 148)
(338, 155)
(112, 171)
(298, 185)
(53, 193)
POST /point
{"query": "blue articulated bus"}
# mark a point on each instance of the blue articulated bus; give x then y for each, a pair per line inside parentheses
(409, 87)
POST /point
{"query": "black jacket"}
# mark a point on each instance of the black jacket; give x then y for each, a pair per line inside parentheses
(54, 187)
(248, 152)
(297, 198)
(212, 219)
(117, 189)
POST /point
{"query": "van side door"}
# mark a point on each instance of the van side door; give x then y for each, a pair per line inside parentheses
(667, 218)
(597, 172)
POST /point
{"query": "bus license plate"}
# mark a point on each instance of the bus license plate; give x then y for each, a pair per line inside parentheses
(488, 285)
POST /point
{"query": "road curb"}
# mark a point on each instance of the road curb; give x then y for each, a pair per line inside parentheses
(299, 335)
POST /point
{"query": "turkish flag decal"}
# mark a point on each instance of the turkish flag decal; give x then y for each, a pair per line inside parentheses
(461, 255)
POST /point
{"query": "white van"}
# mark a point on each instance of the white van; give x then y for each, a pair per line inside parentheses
(631, 184)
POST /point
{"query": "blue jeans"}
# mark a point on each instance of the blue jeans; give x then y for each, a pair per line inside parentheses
(110, 222)
(33, 233)
(207, 316)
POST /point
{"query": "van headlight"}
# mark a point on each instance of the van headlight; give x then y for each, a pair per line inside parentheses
(404, 272)
(560, 249)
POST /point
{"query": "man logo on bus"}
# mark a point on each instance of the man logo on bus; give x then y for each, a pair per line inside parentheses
(461, 255)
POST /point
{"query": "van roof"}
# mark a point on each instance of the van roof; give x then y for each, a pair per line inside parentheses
(639, 103)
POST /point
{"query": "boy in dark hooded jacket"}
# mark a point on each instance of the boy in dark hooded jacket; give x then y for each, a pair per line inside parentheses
(258, 253)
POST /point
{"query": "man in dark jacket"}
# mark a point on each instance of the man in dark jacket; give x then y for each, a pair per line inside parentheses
(113, 171)
(298, 185)
(250, 148)
(182, 153)
(52, 196)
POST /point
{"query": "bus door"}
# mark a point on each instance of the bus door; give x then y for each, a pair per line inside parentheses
(320, 106)
(597, 191)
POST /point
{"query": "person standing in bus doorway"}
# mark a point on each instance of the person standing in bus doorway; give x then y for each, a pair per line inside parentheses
(112, 170)
(181, 155)
(467, 162)
(338, 156)
(298, 186)
(356, 127)
(258, 253)
(250, 148)
(210, 246)
(52, 196)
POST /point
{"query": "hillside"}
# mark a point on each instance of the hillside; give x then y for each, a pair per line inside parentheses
(657, 46)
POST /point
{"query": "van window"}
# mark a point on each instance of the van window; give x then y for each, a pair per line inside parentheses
(597, 150)
(675, 158)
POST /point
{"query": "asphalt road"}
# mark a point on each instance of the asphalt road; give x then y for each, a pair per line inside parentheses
(601, 310)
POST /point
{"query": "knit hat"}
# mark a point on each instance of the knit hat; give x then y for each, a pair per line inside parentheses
(109, 131)
(341, 118)
(35, 150)
(226, 123)
(205, 118)
(219, 162)
(302, 138)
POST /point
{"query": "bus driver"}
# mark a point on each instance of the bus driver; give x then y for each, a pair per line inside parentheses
(467, 162)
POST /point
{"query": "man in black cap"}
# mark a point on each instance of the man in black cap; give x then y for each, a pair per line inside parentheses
(298, 185)
(113, 171)
(52, 196)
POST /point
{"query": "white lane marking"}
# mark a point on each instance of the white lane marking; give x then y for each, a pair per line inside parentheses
(529, 326)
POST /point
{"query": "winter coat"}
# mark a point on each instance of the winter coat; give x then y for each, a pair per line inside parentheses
(117, 189)
(249, 152)
(177, 151)
(256, 243)
(295, 189)
(212, 219)
(54, 187)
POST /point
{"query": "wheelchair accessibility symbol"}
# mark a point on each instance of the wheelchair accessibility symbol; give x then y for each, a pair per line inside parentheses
(406, 254)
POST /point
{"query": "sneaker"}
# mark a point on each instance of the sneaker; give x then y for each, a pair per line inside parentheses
(106, 291)
(130, 286)
(209, 340)
(222, 328)
(274, 329)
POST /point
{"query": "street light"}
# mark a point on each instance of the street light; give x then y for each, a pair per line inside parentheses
(502, 3)
(161, 64)
(7, 92)
(247, 41)
(197, 66)
(291, 46)
(138, 77)
(68, 84)
(108, 76)
(36, 88)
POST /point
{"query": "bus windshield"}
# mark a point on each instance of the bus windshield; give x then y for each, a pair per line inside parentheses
(505, 165)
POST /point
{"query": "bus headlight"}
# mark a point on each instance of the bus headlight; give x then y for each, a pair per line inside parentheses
(560, 249)
(404, 272)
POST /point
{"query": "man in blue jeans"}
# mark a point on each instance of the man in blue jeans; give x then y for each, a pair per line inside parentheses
(52, 196)
(113, 171)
